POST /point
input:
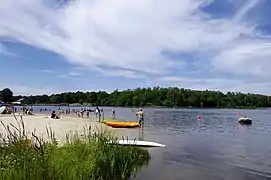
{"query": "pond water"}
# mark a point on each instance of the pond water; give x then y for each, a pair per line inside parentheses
(215, 147)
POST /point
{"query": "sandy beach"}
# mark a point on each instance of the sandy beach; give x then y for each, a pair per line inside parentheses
(61, 127)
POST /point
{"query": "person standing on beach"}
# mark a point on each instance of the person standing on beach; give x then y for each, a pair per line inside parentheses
(113, 113)
(101, 114)
(98, 113)
(82, 112)
(88, 113)
(140, 117)
(58, 112)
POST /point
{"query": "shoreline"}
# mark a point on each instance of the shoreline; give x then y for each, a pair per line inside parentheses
(159, 107)
(66, 125)
(68, 152)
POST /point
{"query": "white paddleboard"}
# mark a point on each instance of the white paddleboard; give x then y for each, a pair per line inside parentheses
(53, 118)
(2, 109)
(139, 143)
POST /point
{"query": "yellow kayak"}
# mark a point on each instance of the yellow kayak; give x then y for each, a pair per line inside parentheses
(121, 124)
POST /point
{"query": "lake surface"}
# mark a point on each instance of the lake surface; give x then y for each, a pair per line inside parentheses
(216, 147)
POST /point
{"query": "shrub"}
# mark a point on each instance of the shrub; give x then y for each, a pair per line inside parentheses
(85, 158)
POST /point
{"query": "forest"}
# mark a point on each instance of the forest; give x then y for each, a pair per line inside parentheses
(150, 97)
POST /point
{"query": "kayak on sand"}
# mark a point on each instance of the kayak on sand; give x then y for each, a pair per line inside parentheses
(121, 124)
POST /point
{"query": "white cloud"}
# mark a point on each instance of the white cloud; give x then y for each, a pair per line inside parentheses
(22, 89)
(245, 9)
(4, 51)
(50, 71)
(19, 89)
(246, 58)
(122, 73)
(125, 34)
(133, 35)
(70, 74)
(217, 84)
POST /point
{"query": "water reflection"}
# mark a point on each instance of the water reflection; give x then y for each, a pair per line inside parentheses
(141, 133)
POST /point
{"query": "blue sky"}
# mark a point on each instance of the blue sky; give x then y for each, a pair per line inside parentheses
(50, 46)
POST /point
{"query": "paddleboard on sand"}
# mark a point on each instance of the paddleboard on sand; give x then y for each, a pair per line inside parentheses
(53, 118)
(139, 143)
(2, 109)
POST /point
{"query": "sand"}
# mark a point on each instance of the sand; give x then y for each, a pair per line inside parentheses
(61, 127)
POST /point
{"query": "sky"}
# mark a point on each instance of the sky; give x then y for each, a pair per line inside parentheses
(52, 46)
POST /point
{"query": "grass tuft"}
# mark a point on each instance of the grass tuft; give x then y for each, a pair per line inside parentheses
(87, 157)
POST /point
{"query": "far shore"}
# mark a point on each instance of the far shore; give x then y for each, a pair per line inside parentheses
(162, 107)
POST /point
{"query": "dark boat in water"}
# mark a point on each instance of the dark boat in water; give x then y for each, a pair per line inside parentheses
(245, 120)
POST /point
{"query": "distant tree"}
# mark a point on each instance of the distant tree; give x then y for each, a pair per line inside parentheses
(68, 98)
(6, 95)
(157, 96)
(81, 101)
(56, 99)
(136, 101)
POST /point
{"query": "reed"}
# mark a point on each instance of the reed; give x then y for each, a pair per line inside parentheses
(80, 157)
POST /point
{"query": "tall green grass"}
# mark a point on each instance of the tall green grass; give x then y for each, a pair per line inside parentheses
(86, 157)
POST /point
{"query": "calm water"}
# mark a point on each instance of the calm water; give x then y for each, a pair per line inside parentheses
(216, 147)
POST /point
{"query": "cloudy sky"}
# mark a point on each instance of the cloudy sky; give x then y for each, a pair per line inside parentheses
(49, 46)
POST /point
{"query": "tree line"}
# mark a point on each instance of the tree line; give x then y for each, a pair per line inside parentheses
(156, 96)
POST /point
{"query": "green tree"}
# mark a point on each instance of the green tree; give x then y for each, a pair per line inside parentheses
(68, 98)
(6, 95)
(56, 99)
(136, 101)
(156, 96)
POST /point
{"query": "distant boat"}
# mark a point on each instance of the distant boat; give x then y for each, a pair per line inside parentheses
(245, 120)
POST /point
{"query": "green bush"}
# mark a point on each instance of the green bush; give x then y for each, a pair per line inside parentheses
(85, 158)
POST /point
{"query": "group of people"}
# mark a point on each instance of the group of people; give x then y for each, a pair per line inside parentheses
(97, 111)
(54, 115)
(23, 110)
(79, 112)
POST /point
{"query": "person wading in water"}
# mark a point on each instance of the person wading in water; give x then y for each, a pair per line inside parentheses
(113, 113)
(140, 117)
